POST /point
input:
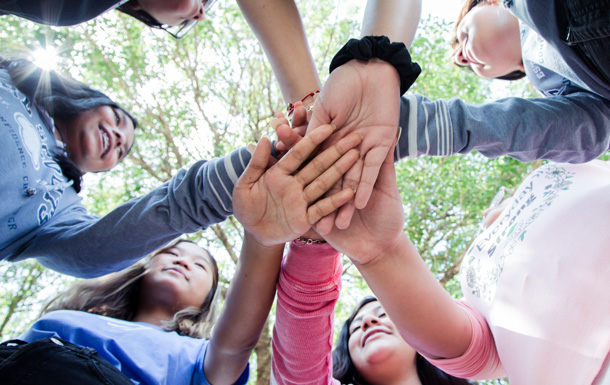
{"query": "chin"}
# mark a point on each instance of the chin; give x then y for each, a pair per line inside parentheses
(379, 354)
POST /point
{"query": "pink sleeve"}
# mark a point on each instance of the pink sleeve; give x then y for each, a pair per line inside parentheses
(307, 290)
(480, 361)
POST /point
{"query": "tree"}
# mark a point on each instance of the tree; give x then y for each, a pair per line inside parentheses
(213, 91)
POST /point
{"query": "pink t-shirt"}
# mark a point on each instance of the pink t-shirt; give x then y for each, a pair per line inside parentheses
(539, 276)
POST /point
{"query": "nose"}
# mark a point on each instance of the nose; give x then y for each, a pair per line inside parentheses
(120, 137)
(182, 262)
(199, 14)
(368, 321)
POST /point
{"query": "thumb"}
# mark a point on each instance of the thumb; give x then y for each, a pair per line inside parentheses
(319, 115)
(258, 164)
(387, 173)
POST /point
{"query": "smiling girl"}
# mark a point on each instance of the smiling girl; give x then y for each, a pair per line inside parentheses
(151, 320)
(53, 130)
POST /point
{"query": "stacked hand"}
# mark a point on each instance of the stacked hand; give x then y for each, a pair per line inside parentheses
(279, 204)
(377, 229)
(360, 97)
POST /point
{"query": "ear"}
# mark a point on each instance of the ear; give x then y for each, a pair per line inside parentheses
(134, 4)
(521, 67)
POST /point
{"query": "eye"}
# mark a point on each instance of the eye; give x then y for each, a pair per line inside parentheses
(381, 315)
(201, 266)
(354, 329)
(117, 117)
(120, 153)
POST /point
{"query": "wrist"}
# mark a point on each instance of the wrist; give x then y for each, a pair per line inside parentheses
(388, 252)
(312, 264)
(308, 101)
(380, 47)
(260, 243)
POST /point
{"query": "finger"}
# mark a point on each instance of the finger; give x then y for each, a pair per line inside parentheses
(299, 116)
(279, 119)
(306, 146)
(378, 156)
(330, 177)
(328, 205)
(350, 180)
(320, 115)
(326, 224)
(372, 163)
(318, 165)
(258, 164)
(345, 214)
(387, 173)
(287, 136)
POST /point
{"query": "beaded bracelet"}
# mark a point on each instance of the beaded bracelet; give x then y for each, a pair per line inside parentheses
(380, 47)
(300, 241)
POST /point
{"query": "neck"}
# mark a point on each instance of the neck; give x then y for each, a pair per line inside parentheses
(406, 378)
(153, 316)
(396, 371)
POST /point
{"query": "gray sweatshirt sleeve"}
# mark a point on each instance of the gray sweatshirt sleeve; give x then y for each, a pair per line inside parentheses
(572, 128)
(82, 245)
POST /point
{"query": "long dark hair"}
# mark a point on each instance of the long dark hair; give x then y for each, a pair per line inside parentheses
(346, 373)
(117, 295)
(59, 96)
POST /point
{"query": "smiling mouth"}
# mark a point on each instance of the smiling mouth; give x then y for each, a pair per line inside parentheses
(371, 335)
(179, 272)
(106, 142)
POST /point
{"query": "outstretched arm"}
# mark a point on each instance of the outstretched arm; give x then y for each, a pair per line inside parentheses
(426, 316)
(246, 308)
(274, 206)
(363, 96)
(396, 19)
(568, 128)
(307, 291)
(278, 27)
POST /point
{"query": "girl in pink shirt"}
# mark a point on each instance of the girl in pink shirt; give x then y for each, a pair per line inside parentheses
(536, 296)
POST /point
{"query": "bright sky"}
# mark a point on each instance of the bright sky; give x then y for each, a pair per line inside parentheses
(445, 9)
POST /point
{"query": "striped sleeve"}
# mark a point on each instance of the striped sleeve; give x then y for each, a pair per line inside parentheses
(82, 245)
(570, 128)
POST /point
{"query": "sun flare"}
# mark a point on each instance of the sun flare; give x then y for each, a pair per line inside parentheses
(46, 58)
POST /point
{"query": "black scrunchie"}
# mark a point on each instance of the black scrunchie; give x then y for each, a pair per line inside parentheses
(380, 47)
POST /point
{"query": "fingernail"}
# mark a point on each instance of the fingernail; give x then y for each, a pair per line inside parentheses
(251, 148)
(275, 122)
(334, 126)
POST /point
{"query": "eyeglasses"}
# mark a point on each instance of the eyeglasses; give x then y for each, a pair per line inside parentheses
(177, 31)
